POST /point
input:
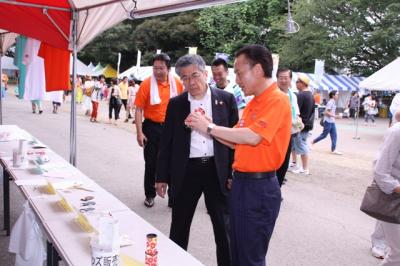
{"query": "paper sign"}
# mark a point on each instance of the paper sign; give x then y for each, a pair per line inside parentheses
(84, 223)
(50, 188)
(129, 261)
(65, 205)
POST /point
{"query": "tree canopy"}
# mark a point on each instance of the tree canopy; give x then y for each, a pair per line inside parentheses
(354, 36)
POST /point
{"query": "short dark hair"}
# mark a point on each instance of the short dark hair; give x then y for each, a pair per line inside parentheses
(258, 54)
(219, 62)
(332, 93)
(281, 70)
(162, 57)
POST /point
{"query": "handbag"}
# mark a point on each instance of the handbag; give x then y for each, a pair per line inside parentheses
(118, 100)
(321, 122)
(381, 206)
(297, 126)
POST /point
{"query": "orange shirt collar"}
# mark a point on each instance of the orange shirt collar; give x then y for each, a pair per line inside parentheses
(264, 95)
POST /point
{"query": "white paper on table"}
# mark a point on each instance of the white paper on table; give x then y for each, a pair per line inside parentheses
(64, 184)
(24, 166)
(15, 135)
(51, 167)
(31, 182)
(58, 174)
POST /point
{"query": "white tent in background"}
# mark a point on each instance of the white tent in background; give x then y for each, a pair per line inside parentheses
(385, 79)
(7, 63)
(82, 69)
(91, 66)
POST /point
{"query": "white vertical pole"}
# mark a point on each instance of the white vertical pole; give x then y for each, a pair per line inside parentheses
(1, 96)
(119, 62)
(72, 156)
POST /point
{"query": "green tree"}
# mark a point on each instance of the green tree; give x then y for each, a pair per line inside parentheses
(356, 35)
(229, 27)
(105, 47)
(170, 33)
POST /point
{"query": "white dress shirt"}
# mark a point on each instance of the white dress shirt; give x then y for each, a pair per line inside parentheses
(201, 145)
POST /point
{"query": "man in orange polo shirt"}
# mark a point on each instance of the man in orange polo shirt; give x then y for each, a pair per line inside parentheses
(260, 139)
(151, 103)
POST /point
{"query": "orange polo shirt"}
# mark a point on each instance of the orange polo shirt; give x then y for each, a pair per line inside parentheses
(268, 115)
(155, 113)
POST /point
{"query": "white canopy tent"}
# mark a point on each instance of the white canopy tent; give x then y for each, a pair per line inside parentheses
(74, 23)
(7, 63)
(385, 79)
(91, 66)
(82, 69)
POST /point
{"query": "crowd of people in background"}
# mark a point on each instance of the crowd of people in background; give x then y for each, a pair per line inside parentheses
(92, 91)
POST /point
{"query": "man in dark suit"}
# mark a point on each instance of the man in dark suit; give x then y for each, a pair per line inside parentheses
(192, 163)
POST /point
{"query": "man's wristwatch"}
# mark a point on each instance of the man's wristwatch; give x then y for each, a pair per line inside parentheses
(210, 127)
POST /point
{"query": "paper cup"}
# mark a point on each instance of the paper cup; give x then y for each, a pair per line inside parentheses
(16, 158)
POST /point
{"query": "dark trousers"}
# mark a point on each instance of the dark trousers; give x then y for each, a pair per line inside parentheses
(202, 178)
(281, 172)
(152, 131)
(114, 107)
(329, 128)
(352, 112)
(254, 208)
(124, 102)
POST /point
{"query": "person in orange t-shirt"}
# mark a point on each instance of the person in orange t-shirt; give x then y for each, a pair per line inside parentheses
(151, 103)
(260, 139)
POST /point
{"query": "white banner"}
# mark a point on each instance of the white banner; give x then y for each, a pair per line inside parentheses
(319, 70)
(192, 50)
(275, 61)
(119, 62)
(138, 59)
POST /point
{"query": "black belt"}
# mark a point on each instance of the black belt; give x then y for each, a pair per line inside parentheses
(152, 122)
(255, 175)
(202, 160)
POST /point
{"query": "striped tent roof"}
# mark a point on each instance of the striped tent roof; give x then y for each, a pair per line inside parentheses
(331, 82)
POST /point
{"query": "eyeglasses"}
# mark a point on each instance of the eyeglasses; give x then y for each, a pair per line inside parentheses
(194, 76)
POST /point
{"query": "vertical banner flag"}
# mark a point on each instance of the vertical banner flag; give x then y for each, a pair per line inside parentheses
(319, 70)
(138, 59)
(275, 61)
(119, 62)
(192, 50)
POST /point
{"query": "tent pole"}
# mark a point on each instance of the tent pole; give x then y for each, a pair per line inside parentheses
(72, 157)
(1, 93)
(356, 118)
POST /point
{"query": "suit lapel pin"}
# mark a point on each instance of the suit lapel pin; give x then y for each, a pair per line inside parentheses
(216, 102)
(221, 103)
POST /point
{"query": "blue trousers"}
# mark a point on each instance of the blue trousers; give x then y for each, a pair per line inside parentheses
(254, 208)
(329, 128)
